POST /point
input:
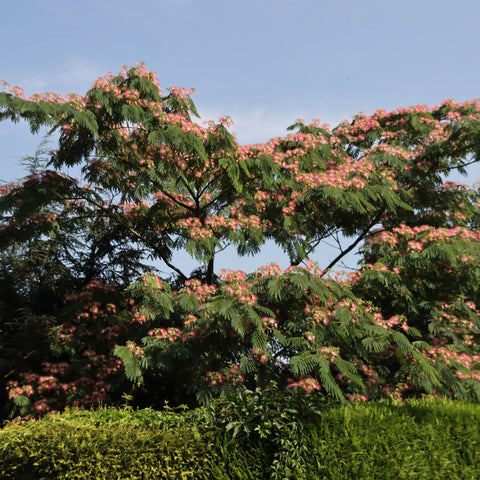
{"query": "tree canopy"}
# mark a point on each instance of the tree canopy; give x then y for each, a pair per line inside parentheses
(86, 314)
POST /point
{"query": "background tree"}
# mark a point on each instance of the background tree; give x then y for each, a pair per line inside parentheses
(154, 182)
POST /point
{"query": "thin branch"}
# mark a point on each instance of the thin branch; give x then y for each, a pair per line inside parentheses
(174, 268)
(353, 245)
(211, 182)
(456, 167)
(172, 198)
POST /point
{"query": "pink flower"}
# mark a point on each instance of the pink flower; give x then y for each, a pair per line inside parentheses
(309, 384)
(357, 398)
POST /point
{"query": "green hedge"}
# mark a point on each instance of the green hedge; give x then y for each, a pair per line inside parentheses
(419, 439)
(112, 444)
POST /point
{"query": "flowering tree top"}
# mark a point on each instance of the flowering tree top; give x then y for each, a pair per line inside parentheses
(175, 184)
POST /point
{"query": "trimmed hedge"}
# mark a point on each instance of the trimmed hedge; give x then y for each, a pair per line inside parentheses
(419, 439)
(113, 444)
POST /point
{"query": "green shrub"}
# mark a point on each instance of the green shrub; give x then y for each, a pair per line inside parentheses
(112, 444)
(274, 421)
(418, 439)
(251, 437)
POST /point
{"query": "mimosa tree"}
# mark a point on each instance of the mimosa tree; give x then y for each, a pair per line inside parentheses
(155, 182)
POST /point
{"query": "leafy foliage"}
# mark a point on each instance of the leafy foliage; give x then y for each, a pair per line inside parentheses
(426, 438)
(276, 420)
(82, 283)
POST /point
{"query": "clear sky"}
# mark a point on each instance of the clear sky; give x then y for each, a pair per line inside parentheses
(263, 62)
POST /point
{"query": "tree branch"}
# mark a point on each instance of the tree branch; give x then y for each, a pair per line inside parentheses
(353, 245)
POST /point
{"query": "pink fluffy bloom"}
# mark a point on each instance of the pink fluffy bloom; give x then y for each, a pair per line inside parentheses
(309, 384)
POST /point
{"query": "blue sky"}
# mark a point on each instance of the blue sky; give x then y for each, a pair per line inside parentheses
(263, 62)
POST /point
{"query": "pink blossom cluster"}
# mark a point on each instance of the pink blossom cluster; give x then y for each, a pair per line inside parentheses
(15, 390)
(110, 332)
(271, 270)
(394, 151)
(417, 237)
(330, 353)
(309, 384)
(86, 378)
(318, 314)
(152, 280)
(233, 275)
(261, 197)
(199, 290)
(180, 92)
(190, 319)
(269, 322)
(370, 373)
(242, 292)
(195, 228)
(470, 363)
(48, 393)
(136, 208)
(390, 322)
(357, 398)
(396, 119)
(237, 286)
(214, 378)
(171, 334)
(351, 305)
(75, 100)
(87, 293)
(235, 375)
(139, 316)
(232, 376)
(260, 355)
(135, 349)
(351, 174)
(173, 199)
